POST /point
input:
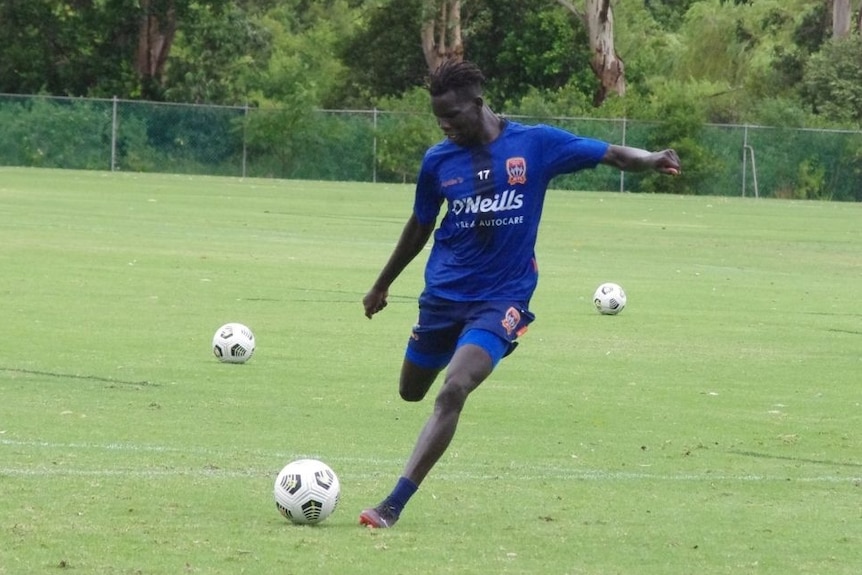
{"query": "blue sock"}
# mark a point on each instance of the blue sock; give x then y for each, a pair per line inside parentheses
(402, 493)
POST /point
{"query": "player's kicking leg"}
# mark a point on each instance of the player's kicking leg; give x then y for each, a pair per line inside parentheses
(470, 365)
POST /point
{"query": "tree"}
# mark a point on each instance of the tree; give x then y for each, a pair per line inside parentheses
(598, 16)
(90, 47)
(842, 12)
(382, 58)
(832, 85)
(217, 56)
(668, 13)
(441, 32)
(404, 134)
(156, 31)
(66, 47)
(547, 50)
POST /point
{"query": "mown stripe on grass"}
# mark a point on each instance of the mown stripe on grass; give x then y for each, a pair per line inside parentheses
(547, 473)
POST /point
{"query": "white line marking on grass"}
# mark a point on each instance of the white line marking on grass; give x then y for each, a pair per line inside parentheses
(221, 455)
(204, 473)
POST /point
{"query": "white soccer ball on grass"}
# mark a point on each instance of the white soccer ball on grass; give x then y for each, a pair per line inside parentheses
(233, 343)
(609, 299)
(306, 491)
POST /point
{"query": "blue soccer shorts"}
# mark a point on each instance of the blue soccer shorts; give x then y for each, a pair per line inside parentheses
(444, 326)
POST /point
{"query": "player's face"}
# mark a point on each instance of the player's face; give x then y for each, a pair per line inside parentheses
(459, 115)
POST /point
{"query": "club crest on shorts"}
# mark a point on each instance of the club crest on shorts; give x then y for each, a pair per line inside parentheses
(517, 170)
(511, 320)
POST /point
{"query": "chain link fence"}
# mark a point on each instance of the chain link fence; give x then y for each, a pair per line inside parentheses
(380, 146)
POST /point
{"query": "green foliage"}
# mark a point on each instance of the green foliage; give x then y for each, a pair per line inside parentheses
(56, 134)
(547, 104)
(303, 68)
(68, 48)
(833, 81)
(789, 64)
(547, 49)
(812, 181)
(404, 134)
(670, 14)
(814, 28)
(680, 125)
(648, 49)
(713, 51)
(185, 138)
(807, 163)
(853, 155)
(271, 132)
(383, 58)
(318, 146)
(749, 47)
(134, 153)
(783, 112)
(217, 56)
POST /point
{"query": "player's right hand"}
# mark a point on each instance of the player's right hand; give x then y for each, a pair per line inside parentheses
(374, 301)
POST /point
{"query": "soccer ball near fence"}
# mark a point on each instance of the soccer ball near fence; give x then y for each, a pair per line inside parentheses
(610, 299)
(233, 343)
(306, 491)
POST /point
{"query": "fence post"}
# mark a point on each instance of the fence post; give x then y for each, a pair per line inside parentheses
(114, 135)
(244, 139)
(374, 147)
(622, 172)
(744, 156)
(750, 150)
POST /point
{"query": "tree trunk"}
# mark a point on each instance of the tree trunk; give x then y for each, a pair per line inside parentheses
(156, 31)
(606, 63)
(841, 13)
(441, 32)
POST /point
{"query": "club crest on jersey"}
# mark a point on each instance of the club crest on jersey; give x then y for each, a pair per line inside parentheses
(517, 170)
(511, 320)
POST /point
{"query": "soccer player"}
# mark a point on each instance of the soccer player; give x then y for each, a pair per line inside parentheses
(492, 175)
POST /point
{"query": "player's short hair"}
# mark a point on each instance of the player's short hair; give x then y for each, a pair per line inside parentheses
(455, 75)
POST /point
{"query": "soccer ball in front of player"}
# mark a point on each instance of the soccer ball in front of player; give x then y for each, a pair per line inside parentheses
(233, 343)
(610, 299)
(306, 491)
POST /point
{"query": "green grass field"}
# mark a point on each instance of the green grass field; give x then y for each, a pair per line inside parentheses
(714, 427)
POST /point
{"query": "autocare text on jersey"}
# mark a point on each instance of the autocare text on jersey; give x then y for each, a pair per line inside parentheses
(494, 222)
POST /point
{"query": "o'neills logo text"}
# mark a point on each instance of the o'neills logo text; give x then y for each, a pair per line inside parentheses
(508, 200)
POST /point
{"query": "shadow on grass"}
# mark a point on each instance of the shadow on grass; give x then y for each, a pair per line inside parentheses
(75, 376)
(796, 459)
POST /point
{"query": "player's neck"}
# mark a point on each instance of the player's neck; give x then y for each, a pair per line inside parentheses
(493, 125)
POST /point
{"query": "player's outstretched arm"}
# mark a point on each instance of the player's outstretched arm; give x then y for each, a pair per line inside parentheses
(413, 238)
(637, 160)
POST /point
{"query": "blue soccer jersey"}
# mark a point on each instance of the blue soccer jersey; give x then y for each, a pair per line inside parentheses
(484, 248)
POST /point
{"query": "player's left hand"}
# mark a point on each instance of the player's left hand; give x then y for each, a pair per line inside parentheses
(667, 162)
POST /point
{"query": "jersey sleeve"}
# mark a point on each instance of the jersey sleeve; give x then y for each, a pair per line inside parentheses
(565, 152)
(427, 201)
